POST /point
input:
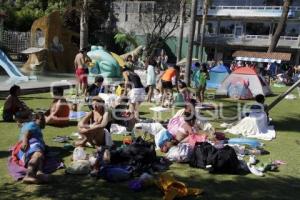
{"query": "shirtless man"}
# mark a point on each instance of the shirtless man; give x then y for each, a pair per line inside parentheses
(81, 70)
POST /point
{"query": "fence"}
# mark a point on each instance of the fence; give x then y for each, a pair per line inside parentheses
(14, 41)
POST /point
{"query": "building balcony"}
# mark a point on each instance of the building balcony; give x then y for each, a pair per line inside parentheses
(248, 11)
(250, 40)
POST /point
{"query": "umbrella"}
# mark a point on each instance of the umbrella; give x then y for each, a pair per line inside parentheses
(184, 61)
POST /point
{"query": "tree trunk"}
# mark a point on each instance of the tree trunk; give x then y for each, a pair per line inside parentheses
(84, 25)
(203, 25)
(279, 98)
(187, 75)
(280, 26)
(182, 12)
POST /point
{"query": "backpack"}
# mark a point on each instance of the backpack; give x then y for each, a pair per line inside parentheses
(140, 154)
(200, 155)
(225, 161)
(206, 156)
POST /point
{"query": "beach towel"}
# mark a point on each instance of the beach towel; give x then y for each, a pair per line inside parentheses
(18, 172)
(76, 115)
(16, 166)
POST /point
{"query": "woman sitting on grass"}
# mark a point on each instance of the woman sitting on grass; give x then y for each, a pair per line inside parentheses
(14, 108)
(91, 127)
(58, 114)
(30, 150)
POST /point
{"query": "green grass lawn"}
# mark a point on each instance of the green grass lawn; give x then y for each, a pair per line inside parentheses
(284, 184)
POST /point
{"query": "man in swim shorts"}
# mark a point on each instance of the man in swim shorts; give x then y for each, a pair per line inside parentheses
(81, 70)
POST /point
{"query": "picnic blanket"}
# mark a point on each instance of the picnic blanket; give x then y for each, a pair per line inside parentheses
(18, 171)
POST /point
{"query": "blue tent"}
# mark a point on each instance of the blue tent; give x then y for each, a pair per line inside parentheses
(217, 74)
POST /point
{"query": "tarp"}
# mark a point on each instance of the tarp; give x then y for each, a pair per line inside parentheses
(262, 56)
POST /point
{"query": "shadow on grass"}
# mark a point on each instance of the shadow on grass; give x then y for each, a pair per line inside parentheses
(4, 154)
(70, 124)
(288, 123)
(246, 187)
(35, 98)
(62, 152)
(144, 113)
(215, 187)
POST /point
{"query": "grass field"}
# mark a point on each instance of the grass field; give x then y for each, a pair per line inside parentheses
(284, 184)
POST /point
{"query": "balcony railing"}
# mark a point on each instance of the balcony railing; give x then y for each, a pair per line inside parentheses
(293, 8)
(248, 11)
(250, 36)
(251, 40)
(257, 37)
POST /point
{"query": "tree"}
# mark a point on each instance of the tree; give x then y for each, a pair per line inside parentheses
(84, 25)
(126, 39)
(22, 13)
(280, 26)
(182, 14)
(206, 4)
(159, 27)
(97, 13)
(187, 74)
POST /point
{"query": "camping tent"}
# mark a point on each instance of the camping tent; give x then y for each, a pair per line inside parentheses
(217, 74)
(248, 78)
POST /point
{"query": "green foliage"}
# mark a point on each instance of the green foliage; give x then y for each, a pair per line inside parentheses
(126, 39)
(23, 13)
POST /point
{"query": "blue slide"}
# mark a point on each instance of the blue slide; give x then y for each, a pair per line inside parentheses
(11, 68)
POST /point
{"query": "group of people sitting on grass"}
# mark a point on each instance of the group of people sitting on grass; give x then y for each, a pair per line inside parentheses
(184, 127)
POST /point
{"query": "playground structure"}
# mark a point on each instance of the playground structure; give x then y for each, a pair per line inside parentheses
(108, 64)
(51, 46)
(10, 68)
(104, 63)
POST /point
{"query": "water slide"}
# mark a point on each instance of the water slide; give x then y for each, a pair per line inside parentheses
(11, 68)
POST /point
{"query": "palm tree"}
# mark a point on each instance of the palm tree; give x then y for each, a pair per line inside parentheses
(206, 4)
(181, 25)
(187, 75)
(281, 25)
(84, 25)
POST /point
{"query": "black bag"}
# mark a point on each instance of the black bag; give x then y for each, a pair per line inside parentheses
(140, 154)
(200, 155)
(223, 160)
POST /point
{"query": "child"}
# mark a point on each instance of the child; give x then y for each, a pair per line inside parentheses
(94, 90)
(31, 152)
(259, 106)
(204, 76)
(183, 89)
(14, 108)
(129, 62)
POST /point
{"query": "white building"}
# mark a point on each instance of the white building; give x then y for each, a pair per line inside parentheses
(248, 25)
(232, 25)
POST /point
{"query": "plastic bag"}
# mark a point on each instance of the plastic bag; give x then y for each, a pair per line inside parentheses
(79, 154)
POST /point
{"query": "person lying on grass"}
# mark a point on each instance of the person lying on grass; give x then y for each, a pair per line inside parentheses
(58, 114)
(91, 127)
(31, 153)
(14, 108)
(178, 129)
